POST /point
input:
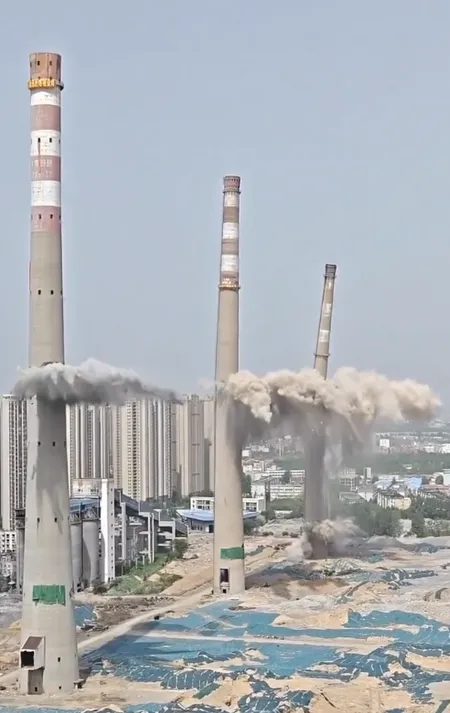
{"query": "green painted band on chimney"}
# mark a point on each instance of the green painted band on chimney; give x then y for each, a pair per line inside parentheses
(232, 553)
(49, 594)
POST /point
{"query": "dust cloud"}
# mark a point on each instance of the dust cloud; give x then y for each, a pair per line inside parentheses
(320, 540)
(333, 417)
(358, 397)
(92, 382)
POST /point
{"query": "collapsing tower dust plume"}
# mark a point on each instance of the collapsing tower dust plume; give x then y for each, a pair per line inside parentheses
(317, 505)
(351, 401)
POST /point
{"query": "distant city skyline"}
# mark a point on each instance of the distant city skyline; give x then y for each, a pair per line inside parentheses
(148, 447)
(336, 117)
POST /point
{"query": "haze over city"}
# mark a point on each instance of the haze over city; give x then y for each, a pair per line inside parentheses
(335, 117)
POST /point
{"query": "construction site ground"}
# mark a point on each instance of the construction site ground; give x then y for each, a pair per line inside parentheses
(376, 620)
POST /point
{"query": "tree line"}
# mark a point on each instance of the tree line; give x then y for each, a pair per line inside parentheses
(381, 463)
(429, 517)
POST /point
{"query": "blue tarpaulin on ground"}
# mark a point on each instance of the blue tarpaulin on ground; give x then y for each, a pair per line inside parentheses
(200, 651)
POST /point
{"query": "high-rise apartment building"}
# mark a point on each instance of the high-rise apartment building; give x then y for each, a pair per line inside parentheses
(208, 416)
(13, 458)
(194, 418)
(151, 448)
(143, 448)
(89, 452)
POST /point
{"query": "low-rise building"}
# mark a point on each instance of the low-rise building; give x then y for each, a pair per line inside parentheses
(7, 566)
(366, 493)
(434, 491)
(253, 504)
(393, 499)
(348, 480)
(349, 498)
(203, 520)
(285, 491)
(7, 541)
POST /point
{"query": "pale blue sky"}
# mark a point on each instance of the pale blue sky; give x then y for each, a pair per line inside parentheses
(335, 114)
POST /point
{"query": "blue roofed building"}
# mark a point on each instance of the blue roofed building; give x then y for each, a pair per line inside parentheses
(203, 520)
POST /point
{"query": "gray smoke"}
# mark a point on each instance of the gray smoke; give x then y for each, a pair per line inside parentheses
(320, 540)
(92, 382)
(332, 416)
(356, 397)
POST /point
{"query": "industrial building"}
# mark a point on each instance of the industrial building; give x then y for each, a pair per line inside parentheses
(109, 532)
(203, 520)
(229, 571)
(48, 659)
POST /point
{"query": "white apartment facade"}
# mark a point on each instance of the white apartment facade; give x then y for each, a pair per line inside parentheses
(143, 448)
(13, 458)
(285, 491)
(254, 504)
(194, 444)
(88, 441)
(7, 541)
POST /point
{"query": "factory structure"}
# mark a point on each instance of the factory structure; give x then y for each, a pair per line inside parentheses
(48, 651)
(317, 505)
(228, 569)
(109, 532)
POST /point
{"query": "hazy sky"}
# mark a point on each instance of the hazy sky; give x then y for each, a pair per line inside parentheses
(335, 114)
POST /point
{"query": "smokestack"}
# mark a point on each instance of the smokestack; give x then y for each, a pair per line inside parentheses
(326, 313)
(229, 574)
(48, 653)
(317, 500)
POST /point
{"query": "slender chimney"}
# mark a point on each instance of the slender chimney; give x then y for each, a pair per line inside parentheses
(326, 313)
(48, 654)
(229, 573)
(317, 500)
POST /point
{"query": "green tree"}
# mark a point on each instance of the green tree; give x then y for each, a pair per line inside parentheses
(250, 526)
(439, 480)
(286, 477)
(432, 508)
(269, 514)
(418, 524)
(375, 520)
(180, 547)
(387, 522)
(299, 510)
(246, 485)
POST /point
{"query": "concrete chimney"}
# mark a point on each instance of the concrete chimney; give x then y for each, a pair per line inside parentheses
(229, 573)
(326, 313)
(317, 501)
(48, 654)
